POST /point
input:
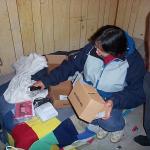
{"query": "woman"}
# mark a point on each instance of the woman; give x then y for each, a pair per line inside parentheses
(111, 64)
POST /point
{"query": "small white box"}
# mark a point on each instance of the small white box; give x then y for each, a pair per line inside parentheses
(46, 111)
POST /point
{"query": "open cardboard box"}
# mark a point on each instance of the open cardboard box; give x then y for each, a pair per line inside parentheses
(86, 101)
(59, 93)
(55, 60)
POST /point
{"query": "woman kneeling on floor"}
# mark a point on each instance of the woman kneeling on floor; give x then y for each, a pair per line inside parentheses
(111, 64)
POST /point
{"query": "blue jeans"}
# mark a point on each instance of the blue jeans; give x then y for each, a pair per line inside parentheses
(115, 123)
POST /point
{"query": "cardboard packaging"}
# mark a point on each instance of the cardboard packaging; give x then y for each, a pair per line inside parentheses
(86, 101)
(55, 60)
(59, 94)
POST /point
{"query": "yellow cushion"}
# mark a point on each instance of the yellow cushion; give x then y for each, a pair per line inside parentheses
(42, 128)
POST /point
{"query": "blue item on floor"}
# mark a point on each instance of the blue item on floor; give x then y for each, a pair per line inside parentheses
(126, 112)
(86, 134)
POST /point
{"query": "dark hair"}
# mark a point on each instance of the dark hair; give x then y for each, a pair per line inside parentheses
(111, 38)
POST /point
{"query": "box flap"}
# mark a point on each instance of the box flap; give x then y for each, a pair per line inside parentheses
(56, 59)
(63, 86)
(52, 66)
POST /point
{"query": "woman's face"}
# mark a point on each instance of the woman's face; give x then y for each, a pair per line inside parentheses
(100, 51)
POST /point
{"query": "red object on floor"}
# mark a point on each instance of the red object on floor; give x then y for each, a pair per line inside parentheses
(24, 136)
(90, 141)
(135, 128)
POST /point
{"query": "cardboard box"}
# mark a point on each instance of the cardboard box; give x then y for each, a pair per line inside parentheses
(55, 60)
(59, 94)
(86, 101)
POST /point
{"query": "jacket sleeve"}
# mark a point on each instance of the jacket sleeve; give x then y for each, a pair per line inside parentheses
(133, 94)
(67, 68)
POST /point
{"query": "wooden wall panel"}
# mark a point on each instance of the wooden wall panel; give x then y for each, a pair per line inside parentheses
(106, 12)
(83, 29)
(45, 26)
(139, 27)
(15, 27)
(37, 24)
(102, 4)
(75, 24)
(92, 17)
(112, 11)
(26, 24)
(126, 17)
(131, 16)
(61, 24)
(7, 53)
(121, 12)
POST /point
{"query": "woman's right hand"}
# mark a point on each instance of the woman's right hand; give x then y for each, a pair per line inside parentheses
(39, 84)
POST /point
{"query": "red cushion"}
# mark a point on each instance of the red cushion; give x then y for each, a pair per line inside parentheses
(24, 136)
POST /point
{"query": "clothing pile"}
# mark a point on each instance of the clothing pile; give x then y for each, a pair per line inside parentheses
(26, 66)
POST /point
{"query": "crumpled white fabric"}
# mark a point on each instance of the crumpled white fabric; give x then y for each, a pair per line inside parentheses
(18, 89)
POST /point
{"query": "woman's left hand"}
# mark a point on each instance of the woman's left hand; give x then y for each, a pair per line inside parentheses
(108, 108)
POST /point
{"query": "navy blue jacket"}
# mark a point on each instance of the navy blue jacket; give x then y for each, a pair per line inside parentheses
(132, 95)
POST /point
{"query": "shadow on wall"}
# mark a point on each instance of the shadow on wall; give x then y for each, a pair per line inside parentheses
(147, 41)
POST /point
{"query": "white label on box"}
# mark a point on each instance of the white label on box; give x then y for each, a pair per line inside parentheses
(63, 97)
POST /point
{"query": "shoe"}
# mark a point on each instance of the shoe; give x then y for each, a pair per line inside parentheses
(116, 136)
(142, 140)
(101, 134)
